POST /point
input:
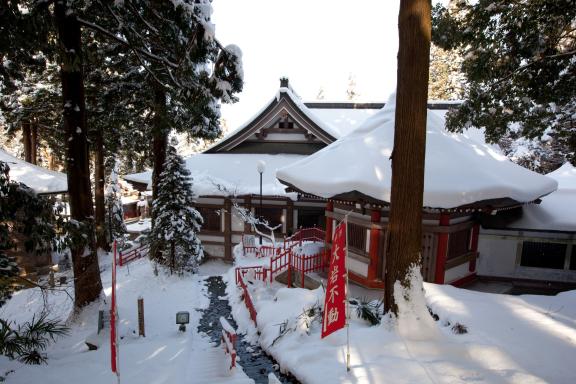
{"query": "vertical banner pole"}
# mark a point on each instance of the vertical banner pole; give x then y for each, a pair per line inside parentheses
(347, 301)
(113, 313)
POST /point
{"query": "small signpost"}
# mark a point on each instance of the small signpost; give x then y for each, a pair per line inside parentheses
(141, 330)
(182, 318)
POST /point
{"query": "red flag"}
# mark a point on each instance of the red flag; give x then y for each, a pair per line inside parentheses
(335, 300)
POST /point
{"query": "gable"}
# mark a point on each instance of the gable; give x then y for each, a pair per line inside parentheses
(284, 126)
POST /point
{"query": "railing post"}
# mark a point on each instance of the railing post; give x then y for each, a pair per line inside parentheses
(290, 269)
(474, 247)
(303, 267)
(374, 244)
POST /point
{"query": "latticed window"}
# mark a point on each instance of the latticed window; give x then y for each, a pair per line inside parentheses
(357, 236)
(543, 255)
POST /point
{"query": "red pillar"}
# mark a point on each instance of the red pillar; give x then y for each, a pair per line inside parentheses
(442, 250)
(474, 246)
(374, 243)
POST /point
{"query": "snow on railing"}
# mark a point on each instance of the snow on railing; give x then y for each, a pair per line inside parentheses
(251, 273)
(247, 298)
(133, 254)
(229, 342)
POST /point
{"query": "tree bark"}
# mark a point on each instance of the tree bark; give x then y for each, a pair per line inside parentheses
(34, 142)
(159, 138)
(87, 283)
(100, 214)
(27, 140)
(405, 224)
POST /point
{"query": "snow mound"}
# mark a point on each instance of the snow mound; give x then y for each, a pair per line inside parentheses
(459, 170)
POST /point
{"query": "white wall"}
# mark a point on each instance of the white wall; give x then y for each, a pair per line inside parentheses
(500, 251)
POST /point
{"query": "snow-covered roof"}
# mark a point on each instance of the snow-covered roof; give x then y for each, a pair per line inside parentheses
(459, 170)
(557, 211)
(237, 173)
(342, 121)
(40, 180)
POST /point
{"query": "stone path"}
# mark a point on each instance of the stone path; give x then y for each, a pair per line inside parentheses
(254, 361)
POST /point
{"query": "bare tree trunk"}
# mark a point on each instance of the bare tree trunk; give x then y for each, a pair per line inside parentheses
(100, 214)
(159, 138)
(27, 140)
(34, 142)
(408, 159)
(87, 283)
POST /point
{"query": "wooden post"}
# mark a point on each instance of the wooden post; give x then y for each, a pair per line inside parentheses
(290, 269)
(374, 244)
(141, 331)
(474, 246)
(442, 250)
(228, 230)
(289, 217)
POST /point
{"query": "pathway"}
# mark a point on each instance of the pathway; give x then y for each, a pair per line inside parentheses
(254, 361)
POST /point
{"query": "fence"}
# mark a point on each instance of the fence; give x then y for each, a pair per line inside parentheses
(259, 273)
(133, 254)
(304, 264)
(247, 298)
(229, 341)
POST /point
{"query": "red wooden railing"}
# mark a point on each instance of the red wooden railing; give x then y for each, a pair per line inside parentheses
(280, 262)
(133, 254)
(260, 273)
(229, 341)
(248, 299)
(304, 264)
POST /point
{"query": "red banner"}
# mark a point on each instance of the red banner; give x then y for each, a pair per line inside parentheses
(335, 300)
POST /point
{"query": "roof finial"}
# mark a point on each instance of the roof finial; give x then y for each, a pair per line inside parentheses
(283, 82)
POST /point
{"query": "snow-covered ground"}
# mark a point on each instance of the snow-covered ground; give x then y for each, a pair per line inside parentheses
(509, 339)
(165, 355)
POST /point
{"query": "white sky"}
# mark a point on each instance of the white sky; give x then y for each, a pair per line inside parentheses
(315, 43)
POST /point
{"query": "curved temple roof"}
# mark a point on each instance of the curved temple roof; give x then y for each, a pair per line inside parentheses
(40, 180)
(459, 172)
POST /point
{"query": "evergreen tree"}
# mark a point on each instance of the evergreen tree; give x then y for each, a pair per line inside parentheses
(447, 82)
(23, 212)
(174, 240)
(519, 61)
(116, 227)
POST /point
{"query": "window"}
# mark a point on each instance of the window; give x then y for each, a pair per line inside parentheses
(458, 243)
(573, 259)
(543, 255)
(211, 218)
(357, 236)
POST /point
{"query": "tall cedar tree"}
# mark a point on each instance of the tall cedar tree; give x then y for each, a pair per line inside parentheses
(174, 240)
(184, 89)
(519, 61)
(408, 157)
